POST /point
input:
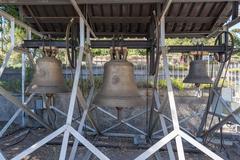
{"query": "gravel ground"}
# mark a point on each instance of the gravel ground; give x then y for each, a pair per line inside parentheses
(115, 148)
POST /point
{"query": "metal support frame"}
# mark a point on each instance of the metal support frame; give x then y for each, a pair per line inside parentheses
(176, 134)
(20, 23)
(131, 44)
(67, 128)
(22, 106)
(122, 121)
(7, 125)
(232, 116)
(24, 58)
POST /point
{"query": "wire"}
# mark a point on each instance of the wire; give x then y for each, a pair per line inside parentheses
(67, 42)
(12, 133)
(17, 142)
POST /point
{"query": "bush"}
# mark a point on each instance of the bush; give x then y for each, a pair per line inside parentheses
(178, 84)
(11, 85)
(162, 84)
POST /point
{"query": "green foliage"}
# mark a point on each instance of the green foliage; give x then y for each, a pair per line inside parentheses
(29, 74)
(12, 85)
(13, 10)
(162, 84)
(225, 84)
(178, 84)
(141, 52)
(98, 52)
(189, 41)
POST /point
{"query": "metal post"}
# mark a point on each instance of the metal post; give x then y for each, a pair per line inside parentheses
(172, 103)
(74, 90)
(12, 38)
(24, 57)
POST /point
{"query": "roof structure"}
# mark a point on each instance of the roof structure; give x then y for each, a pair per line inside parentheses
(128, 18)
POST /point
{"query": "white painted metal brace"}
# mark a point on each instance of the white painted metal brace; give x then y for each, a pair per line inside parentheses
(176, 133)
(7, 125)
(67, 129)
(14, 22)
(9, 53)
(1, 156)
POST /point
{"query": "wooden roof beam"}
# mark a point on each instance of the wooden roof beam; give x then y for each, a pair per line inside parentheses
(221, 16)
(66, 2)
(34, 18)
(142, 20)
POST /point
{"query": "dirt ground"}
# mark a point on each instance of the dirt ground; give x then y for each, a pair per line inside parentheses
(19, 139)
(114, 148)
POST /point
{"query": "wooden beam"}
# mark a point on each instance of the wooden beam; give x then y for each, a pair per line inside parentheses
(120, 19)
(142, 20)
(34, 18)
(222, 16)
(66, 2)
(94, 19)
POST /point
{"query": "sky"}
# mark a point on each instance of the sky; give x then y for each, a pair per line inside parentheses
(235, 26)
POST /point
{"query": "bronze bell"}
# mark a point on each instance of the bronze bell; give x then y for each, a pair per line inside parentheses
(48, 77)
(119, 88)
(198, 73)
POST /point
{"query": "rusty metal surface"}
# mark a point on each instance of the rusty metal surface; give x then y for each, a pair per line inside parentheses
(131, 20)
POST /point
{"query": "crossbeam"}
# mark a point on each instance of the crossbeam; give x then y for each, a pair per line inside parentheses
(64, 2)
(131, 19)
(132, 44)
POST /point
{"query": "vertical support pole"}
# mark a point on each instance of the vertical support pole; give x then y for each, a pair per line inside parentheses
(89, 98)
(29, 37)
(74, 91)
(12, 38)
(172, 103)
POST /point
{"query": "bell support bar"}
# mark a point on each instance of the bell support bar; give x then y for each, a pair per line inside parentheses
(133, 44)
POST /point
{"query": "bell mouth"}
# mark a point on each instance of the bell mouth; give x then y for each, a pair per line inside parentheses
(47, 89)
(119, 101)
(200, 80)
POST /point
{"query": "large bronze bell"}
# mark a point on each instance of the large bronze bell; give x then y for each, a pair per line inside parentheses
(198, 73)
(119, 88)
(48, 77)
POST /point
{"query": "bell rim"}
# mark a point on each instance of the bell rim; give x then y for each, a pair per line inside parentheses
(189, 80)
(107, 101)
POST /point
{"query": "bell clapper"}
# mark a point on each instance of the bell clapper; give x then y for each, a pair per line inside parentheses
(199, 91)
(119, 113)
(51, 115)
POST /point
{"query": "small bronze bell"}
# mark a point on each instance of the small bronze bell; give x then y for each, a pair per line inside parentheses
(48, 77)
(119, 88)
(198, 73)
